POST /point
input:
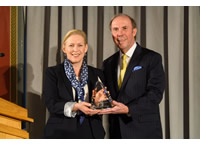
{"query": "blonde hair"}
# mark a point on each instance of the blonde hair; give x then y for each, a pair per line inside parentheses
(75, 32)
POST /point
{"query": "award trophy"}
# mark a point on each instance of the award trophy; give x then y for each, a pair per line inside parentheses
(103, 100)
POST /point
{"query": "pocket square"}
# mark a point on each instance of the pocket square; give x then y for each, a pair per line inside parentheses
(137, 68)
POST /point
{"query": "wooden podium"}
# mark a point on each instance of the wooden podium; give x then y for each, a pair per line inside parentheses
(11, 117)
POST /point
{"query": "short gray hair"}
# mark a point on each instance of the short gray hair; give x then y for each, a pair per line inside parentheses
(121, 14)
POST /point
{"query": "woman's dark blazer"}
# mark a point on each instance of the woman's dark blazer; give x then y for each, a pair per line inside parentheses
(57, 91)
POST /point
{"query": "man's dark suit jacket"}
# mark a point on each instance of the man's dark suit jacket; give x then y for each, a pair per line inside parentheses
(141, 90)
(57, 91)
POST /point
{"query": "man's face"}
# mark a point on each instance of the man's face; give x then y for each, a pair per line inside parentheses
(123, 33)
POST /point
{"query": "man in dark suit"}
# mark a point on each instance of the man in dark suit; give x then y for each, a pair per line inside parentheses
(135, 78)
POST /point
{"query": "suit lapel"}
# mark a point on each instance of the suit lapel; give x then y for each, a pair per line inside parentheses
(66, 81)
(90, 83)
(133, 62)
(114, 66)
(92, 79)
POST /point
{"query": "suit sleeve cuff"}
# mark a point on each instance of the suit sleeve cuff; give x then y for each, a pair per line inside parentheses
(68, 109)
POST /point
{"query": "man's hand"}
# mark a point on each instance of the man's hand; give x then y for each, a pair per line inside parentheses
(118, 108)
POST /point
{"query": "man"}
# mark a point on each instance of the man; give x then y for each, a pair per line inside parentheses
(136, 84)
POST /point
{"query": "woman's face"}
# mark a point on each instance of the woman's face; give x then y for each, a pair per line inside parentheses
(75, 48)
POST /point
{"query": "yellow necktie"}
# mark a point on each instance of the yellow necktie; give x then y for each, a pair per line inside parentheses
(122, 71)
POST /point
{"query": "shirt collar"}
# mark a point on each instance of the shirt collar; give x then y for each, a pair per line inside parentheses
(130, 52)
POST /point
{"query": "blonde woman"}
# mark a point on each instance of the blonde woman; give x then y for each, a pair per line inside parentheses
(68, 91)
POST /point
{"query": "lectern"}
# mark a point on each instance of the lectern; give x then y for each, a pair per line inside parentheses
(11, 117)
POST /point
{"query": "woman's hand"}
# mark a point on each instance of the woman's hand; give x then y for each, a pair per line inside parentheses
(85, 108)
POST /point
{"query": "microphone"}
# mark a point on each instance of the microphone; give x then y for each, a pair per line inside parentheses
(2, 54)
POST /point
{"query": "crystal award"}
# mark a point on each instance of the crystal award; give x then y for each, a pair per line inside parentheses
(101, 100)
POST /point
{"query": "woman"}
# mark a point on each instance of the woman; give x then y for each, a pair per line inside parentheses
(68, 91)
